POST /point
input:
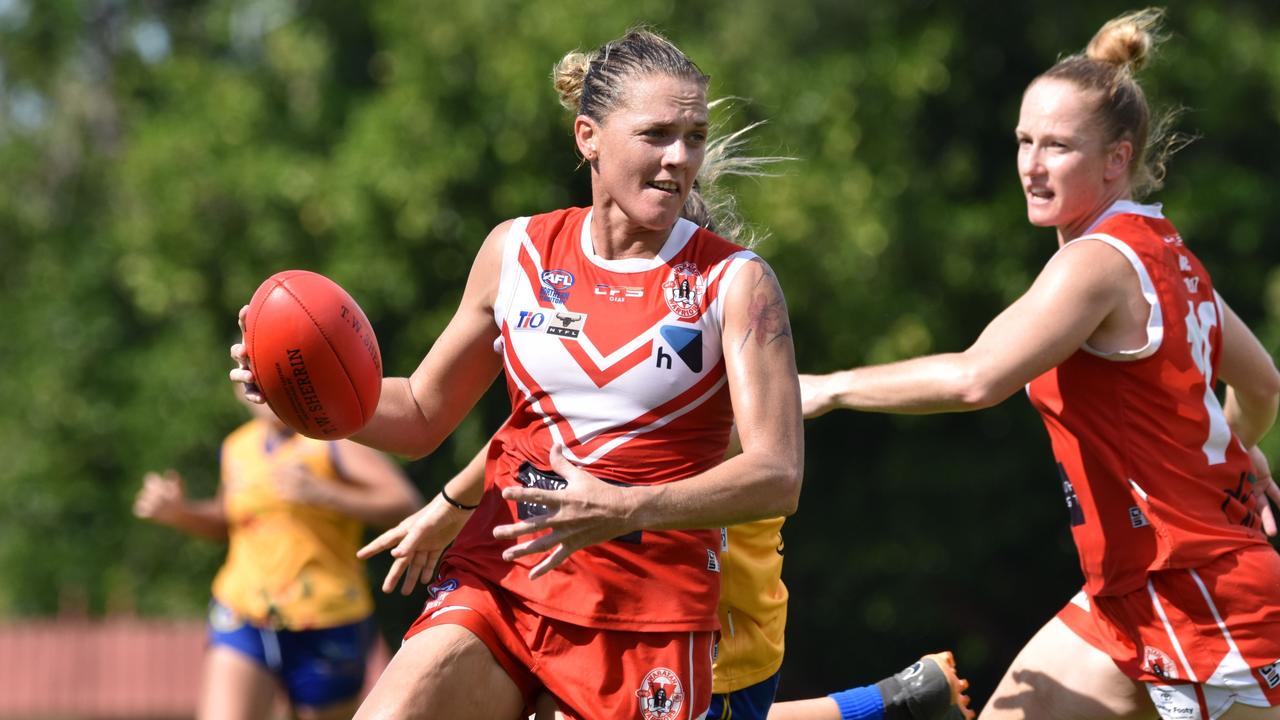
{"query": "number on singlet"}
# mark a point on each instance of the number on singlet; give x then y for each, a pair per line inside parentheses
(1200, 320)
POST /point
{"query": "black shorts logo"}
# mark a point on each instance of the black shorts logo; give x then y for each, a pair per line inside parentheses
(1073, 503)
(531, 477)
(1271, 674)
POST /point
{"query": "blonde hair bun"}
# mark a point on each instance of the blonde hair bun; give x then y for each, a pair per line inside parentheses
(568, 76)
(1127, 41)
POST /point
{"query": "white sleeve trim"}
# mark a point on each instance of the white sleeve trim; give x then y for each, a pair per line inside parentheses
(508, 279)
(1155, 320)
(729, 269)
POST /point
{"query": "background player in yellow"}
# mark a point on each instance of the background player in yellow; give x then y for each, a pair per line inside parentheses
(291, 605)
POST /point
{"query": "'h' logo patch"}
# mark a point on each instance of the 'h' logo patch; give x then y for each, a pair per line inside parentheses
(687, 342)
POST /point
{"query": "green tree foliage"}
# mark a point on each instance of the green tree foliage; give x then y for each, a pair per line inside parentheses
(158, 160)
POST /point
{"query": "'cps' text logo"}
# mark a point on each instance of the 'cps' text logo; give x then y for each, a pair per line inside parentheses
(555, 285)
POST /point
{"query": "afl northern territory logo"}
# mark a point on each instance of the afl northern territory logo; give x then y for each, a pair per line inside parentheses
(683, 290)
(661, 695)
(555, 285)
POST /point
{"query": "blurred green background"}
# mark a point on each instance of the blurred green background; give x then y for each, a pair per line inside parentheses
(159, 159)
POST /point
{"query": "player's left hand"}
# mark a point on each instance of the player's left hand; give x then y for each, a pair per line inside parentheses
(586, 511)
(417, 544)
(1264, 487)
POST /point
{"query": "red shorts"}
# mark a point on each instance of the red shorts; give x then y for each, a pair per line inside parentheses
(592, 673)
(1201, 639)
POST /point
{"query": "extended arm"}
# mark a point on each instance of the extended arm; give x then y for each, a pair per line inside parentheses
(163, 500)
(764, 479)
(1253, 385)
(1253, 393)
(1075, 293)
(419, 540)
(416, 413)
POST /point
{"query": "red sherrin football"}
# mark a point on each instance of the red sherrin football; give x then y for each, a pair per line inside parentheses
(314, 354)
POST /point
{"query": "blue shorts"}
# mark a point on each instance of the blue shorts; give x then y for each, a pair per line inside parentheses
(316, 667)
(749, 703)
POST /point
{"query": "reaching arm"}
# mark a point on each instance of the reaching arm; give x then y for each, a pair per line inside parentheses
(763, 481)
(373, 489)
(162, 499)
(1071, 299)
(416, 413)
(420, 539)
(1253, 393)
(1253, 385)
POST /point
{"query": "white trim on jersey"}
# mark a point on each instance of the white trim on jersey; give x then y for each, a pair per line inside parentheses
(660, 422)
(692, 674)
(578, 405)
(1138, 489)
(681, 232)
(1173, 637)
(449, 609)
(508, 275)
(1155, 320)
(1233, 665)
(586, 436)
(1154, 210)
(730, 269)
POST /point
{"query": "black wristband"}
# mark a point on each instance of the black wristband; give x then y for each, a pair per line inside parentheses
(455, 503)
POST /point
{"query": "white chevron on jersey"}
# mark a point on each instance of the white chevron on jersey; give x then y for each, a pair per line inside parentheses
(561, 377)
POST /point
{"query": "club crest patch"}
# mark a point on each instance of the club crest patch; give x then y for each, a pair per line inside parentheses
(684, 289)
(661, 695)
(1159, 663)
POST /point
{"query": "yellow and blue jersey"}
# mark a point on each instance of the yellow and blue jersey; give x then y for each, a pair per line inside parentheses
(289, 566)
(753, 605)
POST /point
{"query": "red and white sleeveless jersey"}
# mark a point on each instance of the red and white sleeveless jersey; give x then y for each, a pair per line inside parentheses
(1154, 477)
(619, 360)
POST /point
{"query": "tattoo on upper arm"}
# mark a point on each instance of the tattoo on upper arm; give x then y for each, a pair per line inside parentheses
(767, 319)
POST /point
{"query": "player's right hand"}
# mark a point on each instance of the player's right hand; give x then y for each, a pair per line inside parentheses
(161, 497)
(416, 544)
(242, 373)
(1264, 489)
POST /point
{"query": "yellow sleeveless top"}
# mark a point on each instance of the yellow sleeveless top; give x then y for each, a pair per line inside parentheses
(289, 566)
(753, 606)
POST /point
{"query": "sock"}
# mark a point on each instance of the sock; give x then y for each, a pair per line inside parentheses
(860, 703)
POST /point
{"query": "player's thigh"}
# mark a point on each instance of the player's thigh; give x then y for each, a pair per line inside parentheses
(443, 669)
(234, 686)
(1059, 676)
(1240, 711)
